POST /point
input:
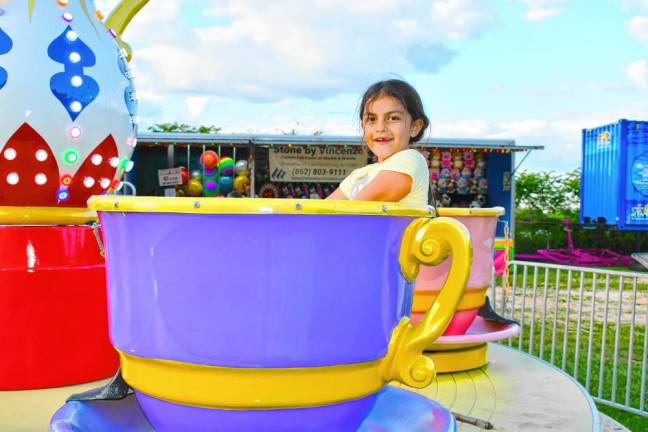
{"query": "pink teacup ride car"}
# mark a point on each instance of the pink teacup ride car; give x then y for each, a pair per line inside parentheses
(463, 345)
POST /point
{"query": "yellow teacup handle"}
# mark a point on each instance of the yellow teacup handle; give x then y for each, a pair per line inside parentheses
(429, 242)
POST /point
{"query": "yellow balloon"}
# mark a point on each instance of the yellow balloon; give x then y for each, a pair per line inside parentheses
(195, 188)
(241, 183)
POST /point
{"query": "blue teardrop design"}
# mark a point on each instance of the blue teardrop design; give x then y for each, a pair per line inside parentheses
(72, 88)
(129, 93)
(5, 46)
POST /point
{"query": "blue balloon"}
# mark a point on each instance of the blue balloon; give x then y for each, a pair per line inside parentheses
(226, 184)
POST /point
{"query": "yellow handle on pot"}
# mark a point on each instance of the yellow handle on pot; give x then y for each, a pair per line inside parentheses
(429, 242)
(119, 19)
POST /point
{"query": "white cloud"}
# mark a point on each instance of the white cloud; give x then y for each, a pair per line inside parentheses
(638, 73)
(561, 138)
(267, 51)
(196, 105)
(638, 28)
(639, 4)
(467, 128)
(539, 10)
(522, 128)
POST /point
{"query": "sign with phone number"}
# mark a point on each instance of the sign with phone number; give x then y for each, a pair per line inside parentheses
(321, 164)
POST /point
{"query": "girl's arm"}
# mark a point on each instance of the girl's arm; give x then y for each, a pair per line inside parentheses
(337, 195)
(388, 185)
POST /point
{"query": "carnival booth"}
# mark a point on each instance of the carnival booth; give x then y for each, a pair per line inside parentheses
(464, 173)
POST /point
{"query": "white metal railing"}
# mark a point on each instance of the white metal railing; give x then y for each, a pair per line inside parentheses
(589, 322)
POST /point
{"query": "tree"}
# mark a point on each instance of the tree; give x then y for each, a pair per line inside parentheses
(547, 195)
(183, 128)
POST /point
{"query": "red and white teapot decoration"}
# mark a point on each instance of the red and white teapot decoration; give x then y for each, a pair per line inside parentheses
(67, 102)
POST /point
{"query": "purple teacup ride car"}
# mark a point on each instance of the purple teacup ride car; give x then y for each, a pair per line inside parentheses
(272, 315)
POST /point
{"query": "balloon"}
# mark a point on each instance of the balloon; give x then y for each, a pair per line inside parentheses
(210, 172)
(196, 174)
(241, 183)
(226, 166)
(209, 159)
(241, 167)
(195, 187)
(225, 183)
(210, 187)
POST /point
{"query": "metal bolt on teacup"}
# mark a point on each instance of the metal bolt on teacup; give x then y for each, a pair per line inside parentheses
(264, 314)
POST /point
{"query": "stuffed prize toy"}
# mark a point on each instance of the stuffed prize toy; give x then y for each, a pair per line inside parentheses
(462, 186)
(469, 162)
(446, 159)
(269, 190)
(436, 159)
(457, 161)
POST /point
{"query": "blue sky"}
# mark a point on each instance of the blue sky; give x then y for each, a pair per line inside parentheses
(536, 71)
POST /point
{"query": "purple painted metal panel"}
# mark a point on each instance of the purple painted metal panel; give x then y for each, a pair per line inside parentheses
(255, 290)
(341, 417)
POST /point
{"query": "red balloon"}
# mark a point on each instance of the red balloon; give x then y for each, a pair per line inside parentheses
(209, 159)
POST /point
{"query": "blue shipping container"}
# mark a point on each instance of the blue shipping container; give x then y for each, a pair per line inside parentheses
(614, 178)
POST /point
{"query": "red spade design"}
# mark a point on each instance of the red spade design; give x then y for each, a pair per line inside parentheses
(95, 173)
(24, 157)
(30, 176)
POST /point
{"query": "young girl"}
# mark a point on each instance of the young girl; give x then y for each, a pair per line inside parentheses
(392, 116)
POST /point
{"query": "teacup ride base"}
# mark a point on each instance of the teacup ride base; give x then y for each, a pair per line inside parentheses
(395, 409)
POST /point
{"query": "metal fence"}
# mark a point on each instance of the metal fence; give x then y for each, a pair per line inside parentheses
(591, 323)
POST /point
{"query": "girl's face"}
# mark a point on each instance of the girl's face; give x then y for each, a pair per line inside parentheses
(388, 126)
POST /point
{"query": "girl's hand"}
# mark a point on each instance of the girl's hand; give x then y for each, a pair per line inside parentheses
(337, 195)
(388, 185)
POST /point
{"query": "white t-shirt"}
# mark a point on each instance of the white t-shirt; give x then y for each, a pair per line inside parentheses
(409, 162)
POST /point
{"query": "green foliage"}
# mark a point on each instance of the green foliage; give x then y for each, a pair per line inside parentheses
(547, 195)
(544, 199)
(183, 128)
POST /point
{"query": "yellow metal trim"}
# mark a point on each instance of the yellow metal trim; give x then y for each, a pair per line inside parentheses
(467, 212)
(108, 203)
(30, 8)
(429, 242)
(46, 216)
(122, 15)
(119, 19)
(460, 360)
(471, 299)
(250, 388)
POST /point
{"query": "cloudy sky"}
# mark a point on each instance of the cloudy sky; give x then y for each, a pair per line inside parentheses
(536, 71)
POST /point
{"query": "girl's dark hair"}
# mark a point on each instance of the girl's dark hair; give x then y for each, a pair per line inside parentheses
(402, 91)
